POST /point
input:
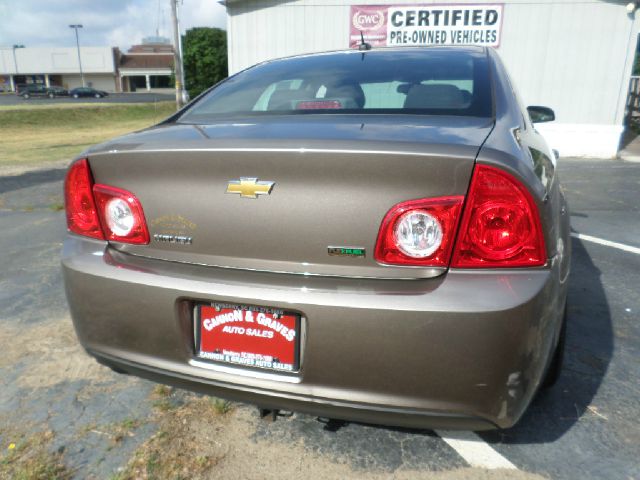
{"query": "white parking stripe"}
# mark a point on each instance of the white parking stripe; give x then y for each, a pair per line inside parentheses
(607, 243)
(474, 450)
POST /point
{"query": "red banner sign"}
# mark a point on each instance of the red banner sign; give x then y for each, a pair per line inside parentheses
(432, 24)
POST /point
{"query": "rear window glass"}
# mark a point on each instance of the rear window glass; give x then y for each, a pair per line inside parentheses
(427, 81)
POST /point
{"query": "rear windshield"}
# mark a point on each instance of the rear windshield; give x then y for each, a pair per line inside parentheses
(426, 81)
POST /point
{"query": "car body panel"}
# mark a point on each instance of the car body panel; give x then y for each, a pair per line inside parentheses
(469, 343)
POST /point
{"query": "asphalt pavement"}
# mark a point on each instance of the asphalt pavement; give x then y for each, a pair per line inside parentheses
(587, 426)
(138, 97)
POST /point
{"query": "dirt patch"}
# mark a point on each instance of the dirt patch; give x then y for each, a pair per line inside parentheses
(201, 439)
(55, 345)
(189, 442)
(12, 170)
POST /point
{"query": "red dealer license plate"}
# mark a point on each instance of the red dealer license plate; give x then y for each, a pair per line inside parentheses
(258, 337)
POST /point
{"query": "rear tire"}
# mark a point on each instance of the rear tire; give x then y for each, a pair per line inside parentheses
(555, 367)
(97, 95)
(26, 96)
(75, 95)
(51, 95)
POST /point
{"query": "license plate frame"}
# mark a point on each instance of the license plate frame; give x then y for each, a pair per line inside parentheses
(208, 333)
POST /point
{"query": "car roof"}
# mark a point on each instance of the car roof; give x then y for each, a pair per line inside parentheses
(453, 49)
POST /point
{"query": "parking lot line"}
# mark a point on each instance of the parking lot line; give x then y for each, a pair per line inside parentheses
(606, 243)
(475, 451)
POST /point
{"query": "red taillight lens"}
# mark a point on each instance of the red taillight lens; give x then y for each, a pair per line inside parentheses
(500, 226)
(121, 215)
(82, 215)
(96, 210)
(419, 232)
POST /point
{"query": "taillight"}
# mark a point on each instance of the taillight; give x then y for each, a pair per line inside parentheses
(121, 215)
(500, 225)
(101, 211)
(82, 215)
(419, 232)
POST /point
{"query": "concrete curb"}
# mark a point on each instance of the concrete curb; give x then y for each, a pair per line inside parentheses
(629, 157)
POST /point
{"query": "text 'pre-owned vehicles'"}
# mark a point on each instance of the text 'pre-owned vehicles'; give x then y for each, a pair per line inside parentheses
(87, 92)
(377, 236)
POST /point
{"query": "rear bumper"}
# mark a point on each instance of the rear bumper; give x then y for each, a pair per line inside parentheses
(463, 350)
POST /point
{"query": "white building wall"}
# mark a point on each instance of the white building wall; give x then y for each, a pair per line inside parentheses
(34, 61)
(571, 55)
(104, 82)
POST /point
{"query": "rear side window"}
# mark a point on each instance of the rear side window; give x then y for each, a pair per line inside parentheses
(421, 81)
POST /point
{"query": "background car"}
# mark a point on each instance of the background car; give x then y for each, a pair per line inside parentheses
(38, 90)
(374, 235)
(33, 90)
(87, 92)
(56, 91)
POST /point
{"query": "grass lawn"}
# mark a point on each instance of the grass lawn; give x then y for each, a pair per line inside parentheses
(41, 134)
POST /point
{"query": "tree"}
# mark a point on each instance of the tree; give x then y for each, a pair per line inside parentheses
(205, 58)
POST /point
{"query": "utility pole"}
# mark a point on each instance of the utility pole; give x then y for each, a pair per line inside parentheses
(177, 57)
(76, 27)
(185, 94)
(15, 64)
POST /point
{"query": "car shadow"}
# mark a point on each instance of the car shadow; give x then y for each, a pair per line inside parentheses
(589, 349)
(588, 352)
(29, 179)
(587, 355)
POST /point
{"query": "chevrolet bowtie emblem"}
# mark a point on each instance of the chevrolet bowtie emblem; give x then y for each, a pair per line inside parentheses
(249, 187)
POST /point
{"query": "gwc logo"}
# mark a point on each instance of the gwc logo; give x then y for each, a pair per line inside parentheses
(368, 20)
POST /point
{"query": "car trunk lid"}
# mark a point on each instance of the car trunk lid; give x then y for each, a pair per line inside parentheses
(334, 178)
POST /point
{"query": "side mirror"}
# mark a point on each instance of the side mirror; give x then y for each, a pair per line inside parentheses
(539, 114)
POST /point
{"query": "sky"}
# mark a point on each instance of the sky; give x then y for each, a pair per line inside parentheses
(113, 23)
